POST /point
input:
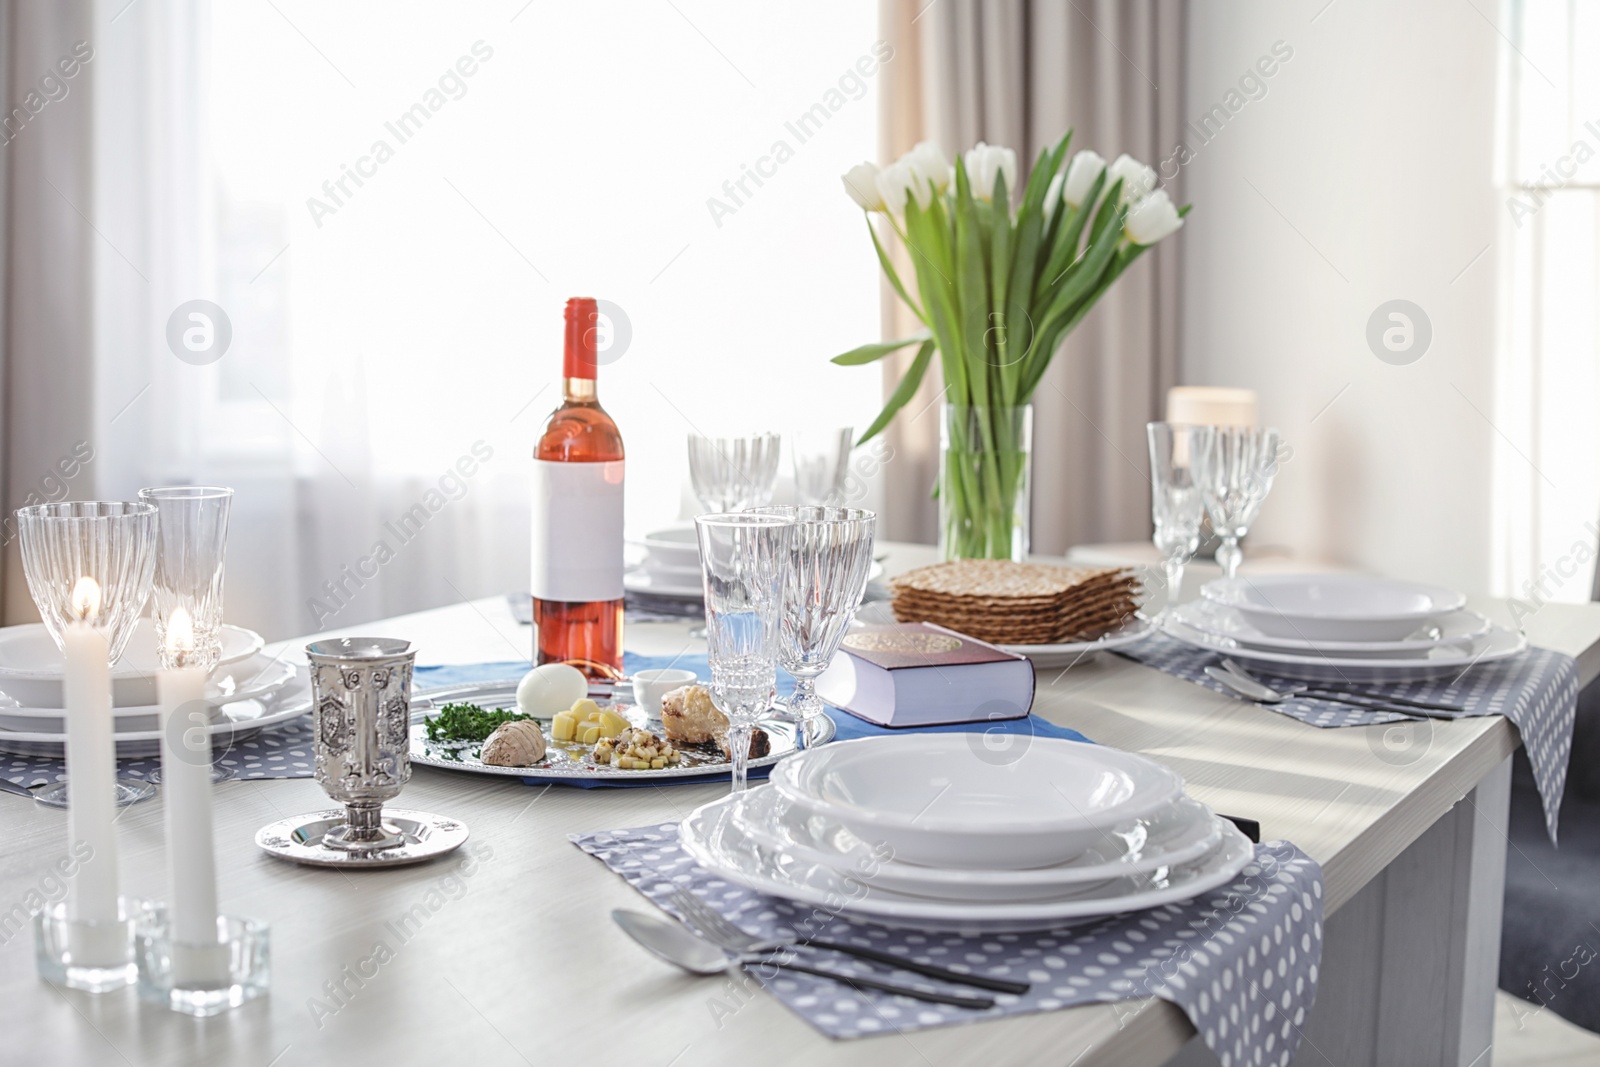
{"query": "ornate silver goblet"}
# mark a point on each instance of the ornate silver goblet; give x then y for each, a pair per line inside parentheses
(362, 692)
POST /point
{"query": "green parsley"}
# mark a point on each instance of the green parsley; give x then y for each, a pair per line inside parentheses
(468, 722)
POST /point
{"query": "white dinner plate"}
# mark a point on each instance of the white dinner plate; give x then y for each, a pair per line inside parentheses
(1333, 607)
(942, 800)
(717, 843)
(1457, 628)
(1497, 644)
(1183, 833)
(231, 722)
(1065, 655)
(31, 664)
(254, 677)
(686, 586)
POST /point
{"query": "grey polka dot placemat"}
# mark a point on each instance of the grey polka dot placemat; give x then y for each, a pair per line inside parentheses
(1241, 961)
(280, 751)
(1537, 690)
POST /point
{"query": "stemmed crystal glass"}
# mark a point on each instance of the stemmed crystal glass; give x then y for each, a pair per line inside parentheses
(1176, 502)
(830, 556)
(733, 473)
(191, 544)
(820, 459)
(1235, 472)
(743, 557)
(112, 542)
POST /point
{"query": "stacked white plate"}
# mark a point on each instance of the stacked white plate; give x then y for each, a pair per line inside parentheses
(247, 691)
(668, 565)
(1341, 627)
(936, 831)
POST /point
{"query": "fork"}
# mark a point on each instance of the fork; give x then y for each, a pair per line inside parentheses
(712, 925)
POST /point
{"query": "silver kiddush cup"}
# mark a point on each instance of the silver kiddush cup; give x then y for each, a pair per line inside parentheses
(362, 690)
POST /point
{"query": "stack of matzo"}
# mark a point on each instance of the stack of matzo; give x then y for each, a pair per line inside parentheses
(1009, 603)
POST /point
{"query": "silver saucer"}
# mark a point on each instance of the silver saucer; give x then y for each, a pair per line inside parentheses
(299, 839)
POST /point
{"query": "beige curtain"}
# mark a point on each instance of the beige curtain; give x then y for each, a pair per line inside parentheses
(47, 418)
(1020, 73)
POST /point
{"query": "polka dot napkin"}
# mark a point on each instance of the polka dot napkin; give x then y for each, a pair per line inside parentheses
(1241, 961)
(1537, 691)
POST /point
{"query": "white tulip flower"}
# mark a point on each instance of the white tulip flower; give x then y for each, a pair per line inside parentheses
(984, 163)
(897, 182)
(1081, 174)
(1151, 219)
(1137, 179)
(928, 162)
(861, 182)
(1052, 196)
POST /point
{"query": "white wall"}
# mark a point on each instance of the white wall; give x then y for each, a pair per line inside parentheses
(1363, 175)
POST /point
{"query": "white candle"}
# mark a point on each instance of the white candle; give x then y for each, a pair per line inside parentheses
(186, 788)
(91, 776)
(1206, 405)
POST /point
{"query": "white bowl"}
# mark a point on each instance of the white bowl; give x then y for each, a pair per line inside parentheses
(1333, 607)
(944, 800)
(650, 685)
(31, 665)
(675, 546)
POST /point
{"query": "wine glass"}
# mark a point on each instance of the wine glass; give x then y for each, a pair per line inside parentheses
(108, 545)
(829, 558)
(1235, 471)
(1176, 503)
(820, 459)
(191, 544)
(733, 473)
(743, 557)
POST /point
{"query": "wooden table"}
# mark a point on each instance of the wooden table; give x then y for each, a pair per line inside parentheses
(512, 959)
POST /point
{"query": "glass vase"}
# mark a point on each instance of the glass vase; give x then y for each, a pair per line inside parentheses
(985, 454)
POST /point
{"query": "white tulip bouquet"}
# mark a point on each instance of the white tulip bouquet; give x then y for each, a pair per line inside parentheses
(997, 289)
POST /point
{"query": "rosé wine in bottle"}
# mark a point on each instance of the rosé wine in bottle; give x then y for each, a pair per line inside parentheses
(577, 517)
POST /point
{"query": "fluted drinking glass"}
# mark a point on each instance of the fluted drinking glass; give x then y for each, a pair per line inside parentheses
(830, 556)
(821, 459)
(111, 541)
(733, 473)
(1176, 503)
(743, 557)
(191, 543)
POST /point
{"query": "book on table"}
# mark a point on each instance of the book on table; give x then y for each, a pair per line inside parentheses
(921, 674)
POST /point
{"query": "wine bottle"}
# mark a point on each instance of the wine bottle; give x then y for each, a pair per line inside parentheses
(577, 516)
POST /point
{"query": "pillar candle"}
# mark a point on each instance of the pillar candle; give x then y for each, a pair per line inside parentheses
(91, 773)
(186, 788)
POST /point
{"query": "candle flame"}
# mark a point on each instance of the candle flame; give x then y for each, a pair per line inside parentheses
(180, 631)
(86, 599)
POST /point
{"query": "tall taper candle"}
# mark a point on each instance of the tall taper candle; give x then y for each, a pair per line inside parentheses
(186, 784)
(91, 770)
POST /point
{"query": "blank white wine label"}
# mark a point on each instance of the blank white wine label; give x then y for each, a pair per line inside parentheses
(577, 530)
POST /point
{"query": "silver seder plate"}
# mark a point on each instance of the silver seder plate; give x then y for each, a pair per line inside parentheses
(569, 761)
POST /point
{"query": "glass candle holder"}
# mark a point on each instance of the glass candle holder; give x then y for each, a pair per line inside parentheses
(201, 979)
(94, 956)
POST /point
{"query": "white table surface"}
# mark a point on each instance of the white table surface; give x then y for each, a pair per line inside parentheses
(519, 963)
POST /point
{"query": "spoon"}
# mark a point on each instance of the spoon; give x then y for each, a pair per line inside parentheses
(1251, 689)
(678, 945)
(1239, 671)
